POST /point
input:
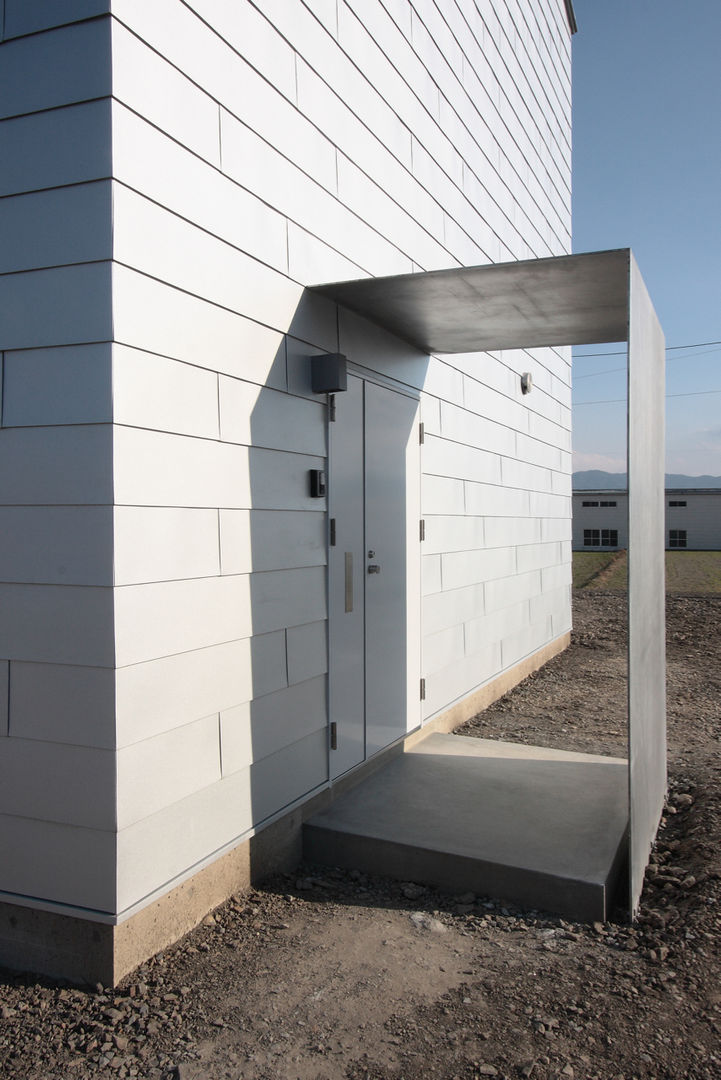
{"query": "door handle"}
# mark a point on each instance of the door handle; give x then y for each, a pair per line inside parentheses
(374, 568)
(348, 581)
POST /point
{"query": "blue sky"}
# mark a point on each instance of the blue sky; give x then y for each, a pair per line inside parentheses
(647, 175)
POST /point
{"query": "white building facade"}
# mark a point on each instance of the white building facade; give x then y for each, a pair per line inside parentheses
(184, 619)
(693, 519)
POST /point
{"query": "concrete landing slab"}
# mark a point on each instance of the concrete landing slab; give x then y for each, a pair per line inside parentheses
(538, 827)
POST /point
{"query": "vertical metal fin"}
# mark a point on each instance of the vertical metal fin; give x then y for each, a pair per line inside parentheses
(332, 532)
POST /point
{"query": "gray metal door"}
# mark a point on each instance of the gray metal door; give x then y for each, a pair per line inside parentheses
(374, 571)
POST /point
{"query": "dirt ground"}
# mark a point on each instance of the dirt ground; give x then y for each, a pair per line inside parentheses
(329, 975)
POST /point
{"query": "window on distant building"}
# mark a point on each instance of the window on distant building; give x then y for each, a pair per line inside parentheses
(600, 537)
(677, 502)
(586, 503)
(612, 502)
(677, 538)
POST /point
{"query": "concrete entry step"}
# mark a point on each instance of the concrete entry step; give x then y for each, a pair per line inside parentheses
(537, 827)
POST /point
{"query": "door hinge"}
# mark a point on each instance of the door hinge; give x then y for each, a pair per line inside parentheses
(421, 433)
(331, 407)
(332, 532)
(422, 530)
(333, 735)
(423, 689)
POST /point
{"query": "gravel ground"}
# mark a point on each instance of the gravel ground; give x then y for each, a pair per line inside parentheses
(332, 975)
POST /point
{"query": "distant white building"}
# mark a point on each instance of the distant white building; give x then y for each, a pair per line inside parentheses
(693, 519)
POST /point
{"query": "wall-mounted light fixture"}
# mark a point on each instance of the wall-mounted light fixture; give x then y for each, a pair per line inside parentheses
(526, 382)
(328, 373)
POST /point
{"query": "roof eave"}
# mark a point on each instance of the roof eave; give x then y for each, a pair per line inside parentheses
(571, 16)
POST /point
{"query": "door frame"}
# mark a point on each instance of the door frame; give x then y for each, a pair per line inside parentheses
(413, 604)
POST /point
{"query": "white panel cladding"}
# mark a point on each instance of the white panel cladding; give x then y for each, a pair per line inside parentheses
(48, 387)
(152, 621)
(459, 678)
(164, 395)
(71, 864)
(459, 568)
(60, 146)
(269, 661)
(249, 160)
(504, 592)
(271, 540)
(154, 317)
(257, 149)
(56, 486)
(371, 347)
(500, 531)
(162, 543)
(52, 228)
(279, 480)
(69, 305)
(148, 85)
(555, 603)
(497, 625)
(442, 648)
(57, 68)
(310, 259)
(307, 651)
(159, 469)
(155, 164)
(270, 723)
(174, 690)
(174, 251)
(34, 621)
(492, 500)
(57, 545)
(166, 768)
(526, 641)
(24, 18)
(442, 495)
(265, 418)
(442, 610)
(455, 533)
(154, 851)
(462, 426)
(63, 703)
(55, 795)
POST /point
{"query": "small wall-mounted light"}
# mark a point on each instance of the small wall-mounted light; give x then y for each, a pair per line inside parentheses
(526, 382)
(328, 373)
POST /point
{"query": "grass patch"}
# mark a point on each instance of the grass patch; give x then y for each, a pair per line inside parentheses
(587, 564)
(693, 572)
(690, 573)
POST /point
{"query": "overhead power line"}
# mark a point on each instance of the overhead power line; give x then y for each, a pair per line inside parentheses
(616, 401)
(669, 348)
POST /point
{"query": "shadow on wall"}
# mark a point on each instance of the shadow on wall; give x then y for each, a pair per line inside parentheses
(275, 745)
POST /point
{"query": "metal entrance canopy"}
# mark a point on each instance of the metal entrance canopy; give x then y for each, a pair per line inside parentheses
(569, 300)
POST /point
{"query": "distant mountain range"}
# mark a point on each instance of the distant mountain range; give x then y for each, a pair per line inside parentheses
(596, 478)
